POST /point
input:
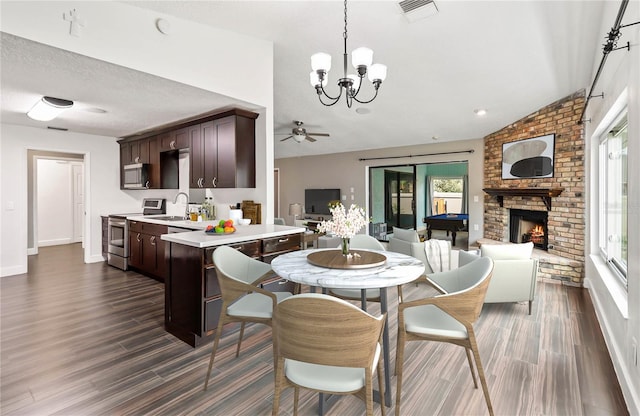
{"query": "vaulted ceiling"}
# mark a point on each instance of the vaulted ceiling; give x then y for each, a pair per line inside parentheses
(508, 57)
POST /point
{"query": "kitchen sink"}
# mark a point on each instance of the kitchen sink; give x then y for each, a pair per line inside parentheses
(169, 218)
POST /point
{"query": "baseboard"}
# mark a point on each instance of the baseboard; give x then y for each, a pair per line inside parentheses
(96, 258)
(12, 271)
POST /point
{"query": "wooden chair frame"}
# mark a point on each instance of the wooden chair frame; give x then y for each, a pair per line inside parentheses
(321, 329)
(231, 291)
(465, 307)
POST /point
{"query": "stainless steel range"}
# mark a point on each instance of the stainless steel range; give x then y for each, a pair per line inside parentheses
(118, 231)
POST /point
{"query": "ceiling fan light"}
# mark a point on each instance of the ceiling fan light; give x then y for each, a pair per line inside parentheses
(48, 108)
(299, 137)
(321, 62)
(314, 79)
(377, 72)
(361, 57)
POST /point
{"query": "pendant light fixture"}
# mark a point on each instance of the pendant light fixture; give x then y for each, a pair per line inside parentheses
(361, 59)
(48, 108)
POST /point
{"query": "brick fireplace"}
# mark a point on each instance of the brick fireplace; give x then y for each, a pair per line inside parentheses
(564, 256)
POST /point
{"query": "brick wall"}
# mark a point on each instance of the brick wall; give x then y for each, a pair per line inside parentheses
(566, 224)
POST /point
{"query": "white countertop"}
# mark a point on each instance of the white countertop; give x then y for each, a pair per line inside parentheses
(201, 239)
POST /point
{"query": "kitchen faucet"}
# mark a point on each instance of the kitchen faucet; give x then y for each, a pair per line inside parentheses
(186, 209)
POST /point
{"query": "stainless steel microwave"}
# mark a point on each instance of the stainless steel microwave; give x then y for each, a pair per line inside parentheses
(136, 176)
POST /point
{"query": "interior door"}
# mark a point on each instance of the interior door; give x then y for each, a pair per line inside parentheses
(399, 199)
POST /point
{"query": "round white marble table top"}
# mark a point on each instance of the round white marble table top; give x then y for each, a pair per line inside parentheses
(399, 269)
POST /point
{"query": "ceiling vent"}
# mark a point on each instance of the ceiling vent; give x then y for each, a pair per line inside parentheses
(418, 9)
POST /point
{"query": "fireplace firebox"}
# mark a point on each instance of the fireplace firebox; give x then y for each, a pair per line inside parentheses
(525, 226)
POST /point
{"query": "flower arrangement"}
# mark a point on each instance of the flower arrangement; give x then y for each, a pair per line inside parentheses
(344, 224)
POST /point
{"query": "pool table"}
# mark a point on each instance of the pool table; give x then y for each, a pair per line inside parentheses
(447, 222)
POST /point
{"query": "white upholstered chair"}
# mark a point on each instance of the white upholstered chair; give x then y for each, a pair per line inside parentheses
(327, 345)
(363, 242)
(407, 242)
(242, 299)
(448, 317)
(515, 272)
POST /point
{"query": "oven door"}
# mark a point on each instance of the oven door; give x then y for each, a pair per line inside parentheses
(117, 237)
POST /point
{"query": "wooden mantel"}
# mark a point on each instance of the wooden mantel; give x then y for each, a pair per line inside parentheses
(545, 193)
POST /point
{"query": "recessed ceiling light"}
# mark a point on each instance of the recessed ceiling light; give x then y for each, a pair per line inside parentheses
(95, 110)
(362, 110)
(434, 138)
(480, 111)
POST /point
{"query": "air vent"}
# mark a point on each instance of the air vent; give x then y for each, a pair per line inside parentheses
(418, 9)
(57, 128)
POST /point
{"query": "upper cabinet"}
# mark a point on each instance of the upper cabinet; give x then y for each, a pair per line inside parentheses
(221, 151)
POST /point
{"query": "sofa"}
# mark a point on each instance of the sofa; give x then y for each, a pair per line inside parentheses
(515, 273)
(407, 242)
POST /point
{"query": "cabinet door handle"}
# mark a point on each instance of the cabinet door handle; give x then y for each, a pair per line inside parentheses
(172, 145)
(283, 240)
(146, 185)
(138, 238)
(215, 182)
(239, 248)
(137, 160)
(152, 240)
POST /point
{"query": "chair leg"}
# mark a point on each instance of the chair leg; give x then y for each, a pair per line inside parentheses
(399, 363)
(381, 388)
(473, 372)
(213, 352)
(296, 396)
(483, 381)
(368, 394)
(240, 340)
(278, 387)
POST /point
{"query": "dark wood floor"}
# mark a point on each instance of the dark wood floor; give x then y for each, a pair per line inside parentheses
(88, 339)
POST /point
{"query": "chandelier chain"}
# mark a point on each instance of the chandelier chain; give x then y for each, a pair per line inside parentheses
(344, 34)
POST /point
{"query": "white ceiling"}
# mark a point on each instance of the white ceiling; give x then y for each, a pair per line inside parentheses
(509, 57)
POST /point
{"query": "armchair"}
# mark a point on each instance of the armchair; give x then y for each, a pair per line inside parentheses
(407, 242)
(515, 273)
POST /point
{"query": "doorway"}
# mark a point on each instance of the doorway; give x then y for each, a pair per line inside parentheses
(399, 207)
(56, 200)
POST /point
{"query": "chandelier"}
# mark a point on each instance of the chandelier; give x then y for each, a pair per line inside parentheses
(361, 59)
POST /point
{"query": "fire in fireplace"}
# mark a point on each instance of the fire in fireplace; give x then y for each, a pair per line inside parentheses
(525, 226)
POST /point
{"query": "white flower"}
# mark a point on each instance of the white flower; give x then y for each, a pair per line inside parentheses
(344, 224)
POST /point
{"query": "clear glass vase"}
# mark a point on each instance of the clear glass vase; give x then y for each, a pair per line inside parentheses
(345, 246)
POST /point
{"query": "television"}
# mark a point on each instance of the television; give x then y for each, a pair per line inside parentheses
(316, 201)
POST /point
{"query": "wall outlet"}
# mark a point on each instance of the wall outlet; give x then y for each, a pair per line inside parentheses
(476, 227)
(344, 197)
(475, 198)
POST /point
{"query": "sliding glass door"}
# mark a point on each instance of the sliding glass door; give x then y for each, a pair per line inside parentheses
(399, 199)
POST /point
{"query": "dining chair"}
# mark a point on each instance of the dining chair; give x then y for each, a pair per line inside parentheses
(448, 317)
(364, 242)
(243, 300)
(327, 345)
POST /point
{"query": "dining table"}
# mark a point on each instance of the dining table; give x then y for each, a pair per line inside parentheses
(363, 269)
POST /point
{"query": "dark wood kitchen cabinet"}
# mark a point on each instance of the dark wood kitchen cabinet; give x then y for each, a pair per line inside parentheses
(174, 140)
(223, 154)
(147, 250)
(192, 292)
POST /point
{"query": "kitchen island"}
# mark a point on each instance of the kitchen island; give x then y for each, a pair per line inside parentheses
(192, 292)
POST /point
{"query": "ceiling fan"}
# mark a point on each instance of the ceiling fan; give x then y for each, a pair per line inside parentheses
(299, 133)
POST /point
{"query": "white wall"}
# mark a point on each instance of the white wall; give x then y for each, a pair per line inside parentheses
(125, 35)
(618, 310)
(346, 172)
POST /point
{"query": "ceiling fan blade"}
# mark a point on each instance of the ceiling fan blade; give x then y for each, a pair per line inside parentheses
(286, 138)
(319, 134)
(311, 139)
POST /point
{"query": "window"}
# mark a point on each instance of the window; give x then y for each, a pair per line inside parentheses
(447, 195)
(612, 197)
